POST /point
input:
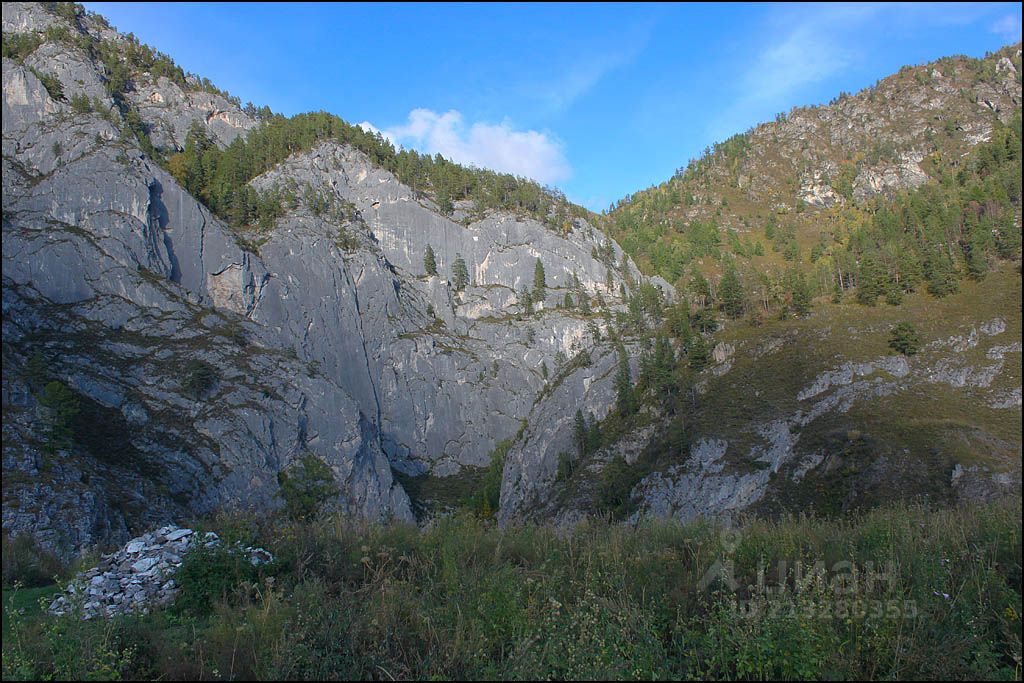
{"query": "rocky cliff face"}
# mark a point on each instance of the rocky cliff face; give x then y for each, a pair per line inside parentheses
(204, 362)
(203, 366)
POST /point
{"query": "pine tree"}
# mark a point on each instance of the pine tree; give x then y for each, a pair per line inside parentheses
(941, 274)
(837, 292)
(663, 361)
(911, 273)
(635, 314)
(526, 301)
(579, 433)
(678, 320)
(698, 354)
(976, 248)
(730, 293)
(539, 282)
(625, 399)
(460, 274)
(893, 294)
(870, 281)
(801, 292)
(429, 262)
(704, 321)
(700, 288)
(1008, 239)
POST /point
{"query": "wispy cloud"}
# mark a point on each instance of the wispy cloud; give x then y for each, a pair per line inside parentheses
(580, 77)
(578, 71)
(809, 44)
(1007, 28)
(809, 51)
(499, 147)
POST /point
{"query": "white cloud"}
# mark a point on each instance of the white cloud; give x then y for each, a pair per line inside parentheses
(1007, 28)
(498, 147)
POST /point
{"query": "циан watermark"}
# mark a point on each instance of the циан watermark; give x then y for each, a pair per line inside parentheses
(818, 590)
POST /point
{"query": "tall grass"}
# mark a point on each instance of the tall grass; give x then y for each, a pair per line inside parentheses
(902, 592)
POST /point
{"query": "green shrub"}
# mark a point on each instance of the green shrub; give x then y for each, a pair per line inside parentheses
(487, 499)
(307, 487)
(904, 339)
(345, 240)
(200, 378)
(54, 88)
(17, 46)
(209, 575)
(616, 483)
(28, 564)
(81, 104)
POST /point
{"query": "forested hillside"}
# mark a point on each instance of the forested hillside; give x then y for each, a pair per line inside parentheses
(911, 184)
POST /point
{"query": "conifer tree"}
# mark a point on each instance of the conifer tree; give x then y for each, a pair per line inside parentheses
(801, 292)
(429, 261)
(698, 354)
(526, 301)
(579, 433)
(678, 320)
(658, 367)
(940, 273)
(837, 292)
(460, 274)
(539, 282)
(893, 294)
(904, 339)
(700, 288)
(870, 281)
(625, 399)
(730, 293)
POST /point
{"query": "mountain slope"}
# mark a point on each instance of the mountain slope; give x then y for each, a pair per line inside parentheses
(218, 355)
(198, 294)
(799, 185)
(872, 199)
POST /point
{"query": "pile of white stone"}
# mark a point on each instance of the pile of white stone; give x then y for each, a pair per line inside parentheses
(140, 575)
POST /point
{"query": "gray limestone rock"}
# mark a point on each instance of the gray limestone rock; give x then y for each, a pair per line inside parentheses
(128, 287)
(137, 577)
(170, 112)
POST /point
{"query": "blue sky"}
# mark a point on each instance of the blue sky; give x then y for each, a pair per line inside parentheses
(598, 100)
